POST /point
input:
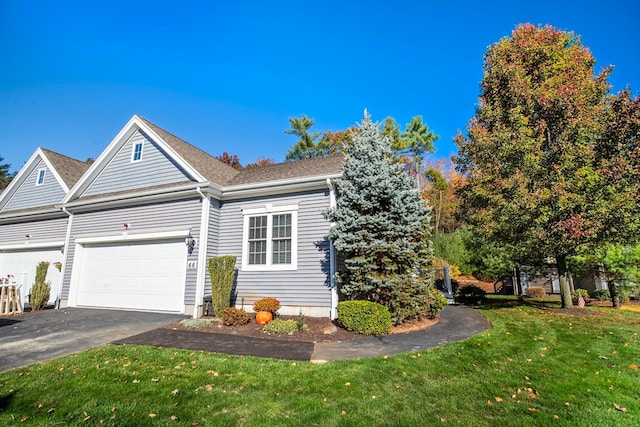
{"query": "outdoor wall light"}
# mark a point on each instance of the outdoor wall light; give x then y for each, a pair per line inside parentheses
(28, 236)
(126, 225)
(190, 242)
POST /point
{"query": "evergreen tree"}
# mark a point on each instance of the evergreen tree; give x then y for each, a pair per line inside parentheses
(5, 176)
(306, 146)
(381, 229)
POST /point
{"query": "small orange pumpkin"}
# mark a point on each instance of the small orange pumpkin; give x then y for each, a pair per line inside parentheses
(264, 317)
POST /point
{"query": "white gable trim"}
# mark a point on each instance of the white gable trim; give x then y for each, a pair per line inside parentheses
(26, 170)
(102, 162)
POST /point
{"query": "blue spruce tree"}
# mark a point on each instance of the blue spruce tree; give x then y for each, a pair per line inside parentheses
(381, 230)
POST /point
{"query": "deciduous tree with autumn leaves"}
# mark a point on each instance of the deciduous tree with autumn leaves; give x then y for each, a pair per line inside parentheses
(550, 158)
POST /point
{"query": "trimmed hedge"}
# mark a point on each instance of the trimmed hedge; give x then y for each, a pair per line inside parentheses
(364, 317)
(470, 295)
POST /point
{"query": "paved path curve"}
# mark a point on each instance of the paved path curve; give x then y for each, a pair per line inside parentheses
(457, 322)
(36, 337)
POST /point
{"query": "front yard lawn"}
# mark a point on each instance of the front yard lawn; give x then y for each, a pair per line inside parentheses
(534, 367)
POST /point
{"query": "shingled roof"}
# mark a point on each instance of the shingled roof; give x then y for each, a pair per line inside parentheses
(211, 168)
(298, 169)
(222, 174)
(69, 169)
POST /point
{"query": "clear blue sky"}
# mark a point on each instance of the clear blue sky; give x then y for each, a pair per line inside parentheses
(226, 76)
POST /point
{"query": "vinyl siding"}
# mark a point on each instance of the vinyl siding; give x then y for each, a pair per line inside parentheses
(40, 231)
(306, 286)
(30, 195)
(149, 217)
(154, 168)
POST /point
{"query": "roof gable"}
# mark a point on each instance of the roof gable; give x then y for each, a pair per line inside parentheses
(44, 180)
(179, 162)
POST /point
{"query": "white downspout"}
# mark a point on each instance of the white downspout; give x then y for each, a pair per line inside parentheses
(67, 239)
(332, 258)
(202, 251)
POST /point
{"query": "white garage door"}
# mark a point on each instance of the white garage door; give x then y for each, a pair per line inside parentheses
(140, 275)
(21, 264)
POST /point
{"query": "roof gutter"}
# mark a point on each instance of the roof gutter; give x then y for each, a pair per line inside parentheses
(276, 187)
(153, 195)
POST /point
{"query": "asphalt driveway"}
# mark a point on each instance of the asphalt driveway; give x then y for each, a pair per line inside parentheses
(38, 336)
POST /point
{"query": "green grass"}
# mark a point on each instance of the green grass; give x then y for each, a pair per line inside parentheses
(533, 367)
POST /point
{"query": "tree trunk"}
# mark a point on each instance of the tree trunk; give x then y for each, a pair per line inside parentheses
(565, 291)
(613, 291)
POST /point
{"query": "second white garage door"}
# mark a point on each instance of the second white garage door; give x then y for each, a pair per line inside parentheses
(140, 275)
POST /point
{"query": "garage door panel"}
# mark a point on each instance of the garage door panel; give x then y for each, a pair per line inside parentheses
(143, 275)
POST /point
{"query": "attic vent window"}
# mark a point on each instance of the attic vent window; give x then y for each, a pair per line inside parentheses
(40, 179)
(136, 154)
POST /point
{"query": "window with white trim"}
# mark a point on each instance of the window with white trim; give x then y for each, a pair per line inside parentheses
(270, 238)
(136, 152)
(40, 179)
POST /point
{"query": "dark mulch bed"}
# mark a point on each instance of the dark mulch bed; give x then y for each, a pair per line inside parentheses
(315, 332)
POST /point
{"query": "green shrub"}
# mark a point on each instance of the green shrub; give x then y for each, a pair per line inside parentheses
(536, 292)
(41, 271)
(364, 317)
(601, 294)
(222, 273)
(470, 295)
(232, 316)
(267, 304)
(437, 302)
(196, 323)
(624, 299)
(300, 322)
(580, 291)
(39, 296)
(41, 290)
(279, 326)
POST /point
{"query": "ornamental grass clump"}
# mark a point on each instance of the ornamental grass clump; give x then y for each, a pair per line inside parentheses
(196, 323)
(269, 304)
(536, 292)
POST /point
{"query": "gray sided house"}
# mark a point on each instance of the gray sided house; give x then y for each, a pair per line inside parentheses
(32, 227)
(141, 222)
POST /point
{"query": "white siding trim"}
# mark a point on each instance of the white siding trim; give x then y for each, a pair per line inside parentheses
(202, 252)
(269, 210)
(332, 257)
(42, 173)
(129, 236)
(133, 151)
(28, 245)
